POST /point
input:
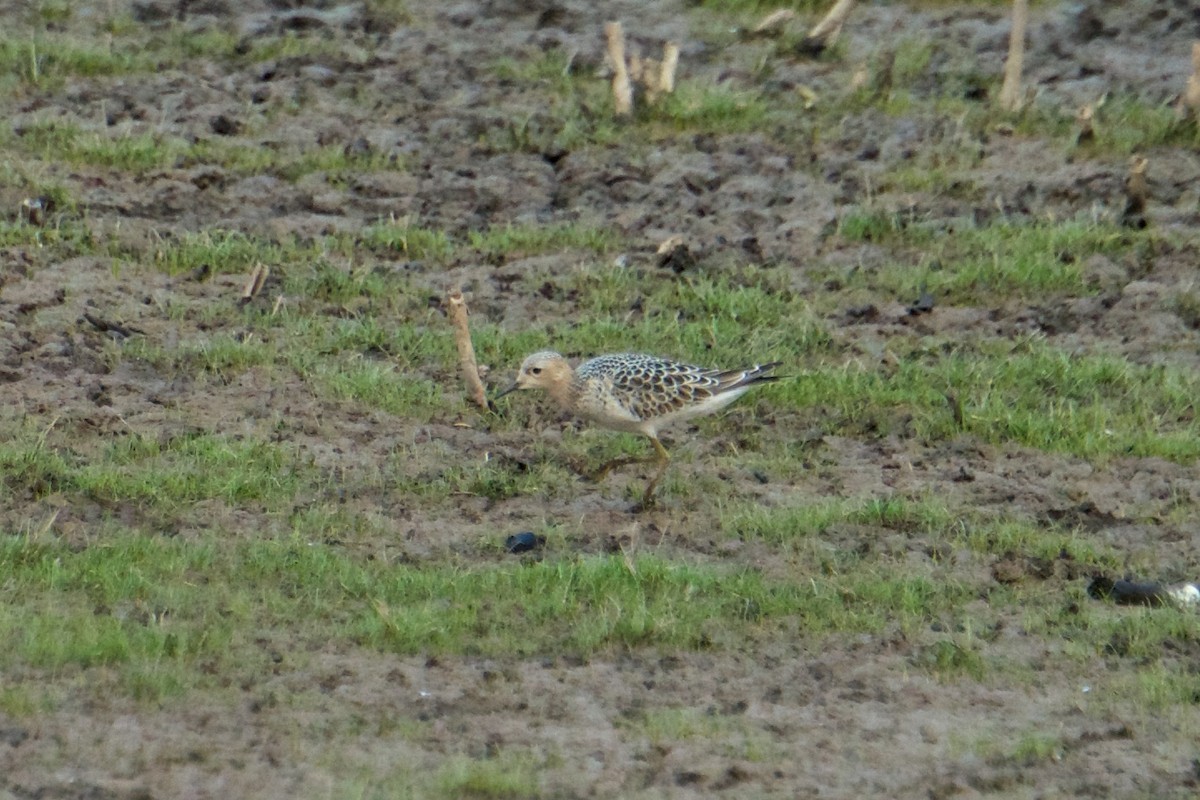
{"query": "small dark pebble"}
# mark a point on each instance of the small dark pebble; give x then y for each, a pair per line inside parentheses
(867, 313)
(869, 153)
(678, 259)
(923, 305)
(1125, 592)
(13, 735)
(523, 542)
(224, 125)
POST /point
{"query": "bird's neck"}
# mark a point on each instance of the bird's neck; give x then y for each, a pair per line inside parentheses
(566, 393)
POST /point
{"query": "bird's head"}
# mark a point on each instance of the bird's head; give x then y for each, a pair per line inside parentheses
(544, 370)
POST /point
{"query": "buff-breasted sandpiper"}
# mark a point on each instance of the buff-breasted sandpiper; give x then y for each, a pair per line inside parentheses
(637, 394)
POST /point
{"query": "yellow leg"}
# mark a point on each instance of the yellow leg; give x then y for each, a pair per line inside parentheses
(598, 474)
(663, 459)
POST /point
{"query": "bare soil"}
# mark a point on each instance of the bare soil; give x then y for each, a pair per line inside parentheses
(854, 719)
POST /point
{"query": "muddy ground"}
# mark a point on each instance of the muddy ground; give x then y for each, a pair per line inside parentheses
(854, 719)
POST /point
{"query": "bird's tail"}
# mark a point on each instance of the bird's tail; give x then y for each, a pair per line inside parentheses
(759, 373)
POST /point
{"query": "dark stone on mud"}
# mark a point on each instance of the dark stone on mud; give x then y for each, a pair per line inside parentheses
(1086, 24)
(150, 11)
(322, 76)
(678, 259)
(358, 148)
(463, 15)
(523, 542)
(923, 305)
(553, 16)
(224, 125)
(215, 8)
(869, 153)
(866, 313)
(13, 735)
(1126, 592)
(306, 20)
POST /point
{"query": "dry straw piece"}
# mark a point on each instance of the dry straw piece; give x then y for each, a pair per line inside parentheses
(670, 62)
(1010, 92)
(1085, 130)
(622, 89)
(1137, 192)
(1191, 96)
(825, 32)
(656, 77)
(255, 283)
(466, 351)
(774, 22)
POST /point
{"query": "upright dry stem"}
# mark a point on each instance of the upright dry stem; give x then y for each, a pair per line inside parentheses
(825, 32)
(1010, 92)
(254, 284)
(1191, 96)
(621, 88)
(670, 62)
(466, 351)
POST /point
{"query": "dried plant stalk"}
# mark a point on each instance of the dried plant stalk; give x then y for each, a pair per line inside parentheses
(1085, 129)
(642, 71)
(1191, 96)
(1137, 192)
(774, 22)
(466, 351)
(622, 89)
(255, 283)
(666, 73)
(1010, 92)
(825, 32)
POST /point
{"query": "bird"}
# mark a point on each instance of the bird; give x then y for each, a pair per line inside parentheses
(637, 393)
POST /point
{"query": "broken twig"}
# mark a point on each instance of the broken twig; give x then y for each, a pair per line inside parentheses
(1085, 131)
(656, 77)
(1010, 92)
(466, 351)
(621, 88)
(1191, 96)
(255, 283)
(1137, 191)
(105, 326)
(773, 24)
(825, 32)
(670, 62)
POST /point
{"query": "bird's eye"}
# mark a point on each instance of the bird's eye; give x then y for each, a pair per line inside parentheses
(535, 370)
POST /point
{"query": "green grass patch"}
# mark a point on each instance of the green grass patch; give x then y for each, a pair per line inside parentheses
(139, 602)
(62, 239)
(980, 265)
(153, 474)
(381, 385)
(140, 153)
(1029, 393)
(407, 239)
(711, 109)
(1123, 124)
(217, 252)
(573, 110)
(220, 357)
(666, 727)
(781, 525)
(46, 60)
(510, 775)
(952, 659)
(512, 241)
